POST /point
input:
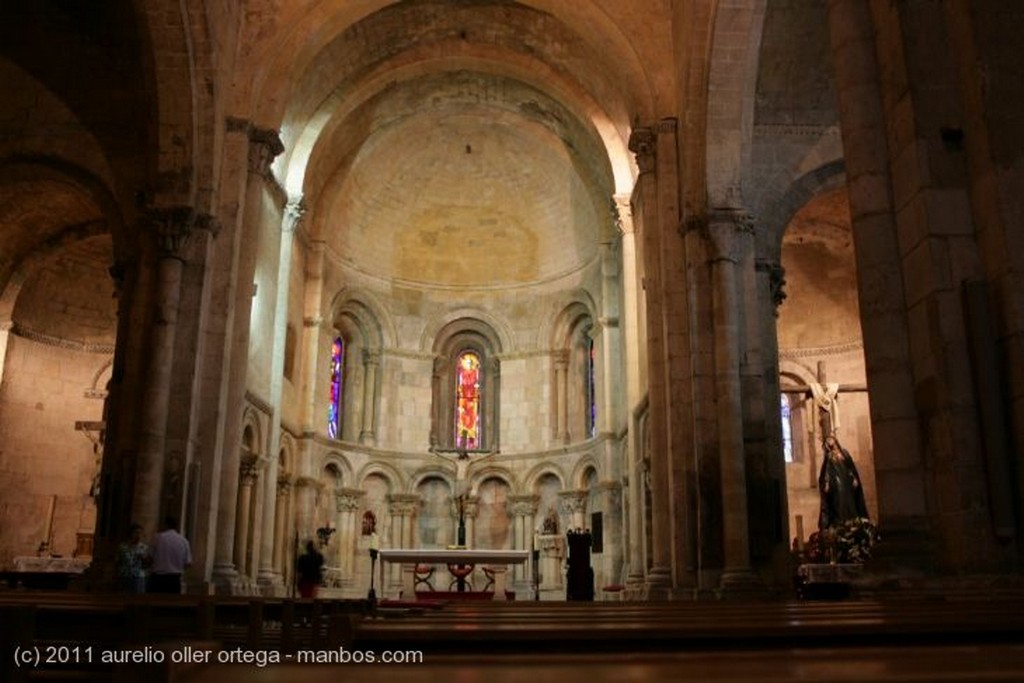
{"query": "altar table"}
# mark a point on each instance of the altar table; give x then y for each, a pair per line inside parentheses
(410, 558)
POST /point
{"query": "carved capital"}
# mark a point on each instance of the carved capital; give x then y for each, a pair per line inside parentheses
(248, 469)
(776, 280)
(726, 229)
(403, 504)
(560, 357)
(264, 146)
(643, 145)
(623, 213)
(523, 506)
(573, 501)
(371, 357)
(284, 486)
(294, 212)
(348, 500)
(471, 506)
(174, 227)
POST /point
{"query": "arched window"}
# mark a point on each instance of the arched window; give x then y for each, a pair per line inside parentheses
(591, 391)
(334, 408)
(787, 429)
(468, 419)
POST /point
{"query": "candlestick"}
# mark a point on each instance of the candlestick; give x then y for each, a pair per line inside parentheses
(49, 523)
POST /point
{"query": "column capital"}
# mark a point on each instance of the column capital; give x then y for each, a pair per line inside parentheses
(725, 230)
(264, 146)
(348, 500)
(643, 145)
(573, 501)
(175, 227)
(560, 357)
(284, 485)
(371, 357)
(776, 280)
(248, 468)
(403, 504)
(525, 505)
(471, 506)
(294, 212)
(623, 209)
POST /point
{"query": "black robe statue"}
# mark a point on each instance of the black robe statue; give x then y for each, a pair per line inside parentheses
(844, 498)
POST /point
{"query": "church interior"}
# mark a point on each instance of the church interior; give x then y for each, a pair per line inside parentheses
(483, 275)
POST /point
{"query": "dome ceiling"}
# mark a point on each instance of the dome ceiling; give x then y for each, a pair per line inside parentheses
(442, 181)
(474, 146)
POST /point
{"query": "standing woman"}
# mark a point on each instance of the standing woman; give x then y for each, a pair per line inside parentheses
(132, 558)
(842, 496)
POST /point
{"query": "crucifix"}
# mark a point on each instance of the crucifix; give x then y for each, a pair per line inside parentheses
(825, 397)
(462, 464)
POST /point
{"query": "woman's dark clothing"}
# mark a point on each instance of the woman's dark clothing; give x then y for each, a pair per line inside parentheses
(308, 569)
(844, 500)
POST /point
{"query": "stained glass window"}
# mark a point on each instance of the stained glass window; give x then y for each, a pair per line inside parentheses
(468, 427)
(591, 391)
(787, 430)
(334, 409)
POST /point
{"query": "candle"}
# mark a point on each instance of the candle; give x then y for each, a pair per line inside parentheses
(49, 522)
(800, 532)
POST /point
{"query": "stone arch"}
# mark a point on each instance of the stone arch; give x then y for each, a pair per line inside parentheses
(801, 190)
(439, 329)
(185, 121)
(538, 471)
(429, 472)
(366, 314)
(588, 462)
(502, 474)
(389, 473)
(459, 336)
(732, 77)
(252, 431)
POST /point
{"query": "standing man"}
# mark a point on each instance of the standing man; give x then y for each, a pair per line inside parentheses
(171, 555)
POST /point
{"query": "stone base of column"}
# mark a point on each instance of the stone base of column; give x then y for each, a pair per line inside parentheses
(226, 581)
(270, 584)
(635, 587)
(658, 585)
(522, 589)
(368, 438)
(741, 583)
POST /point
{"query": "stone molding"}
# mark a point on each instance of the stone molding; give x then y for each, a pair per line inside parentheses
(258, 403)
(806, 130)
(818, 351)
(60, 342)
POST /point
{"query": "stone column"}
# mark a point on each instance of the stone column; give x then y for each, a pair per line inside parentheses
(171, 229)
(269, 577)
(470, 510)
(264, 145)
(575, 503)
(437, 418)
(247, 475)
(282, 539)
(401, 507)
(643, 142)
(724, 228)
(349, 502)
(560, 359)
(523, 510)
(371, 360)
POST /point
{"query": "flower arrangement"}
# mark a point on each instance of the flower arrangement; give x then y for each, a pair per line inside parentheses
(848, 542)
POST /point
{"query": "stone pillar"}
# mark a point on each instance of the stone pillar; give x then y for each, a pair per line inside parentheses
(269, 578)
(349, 502)
(643, 142)
(437, 419)
(247, 476)
(471, 507)
(560, 358)
(523, 510)
(263, 147)
(895, 422)
(371, 360)
(633, 396)
(171, 229)
(401, 507)
(724, 232)
(282, 539)
(575, 503)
